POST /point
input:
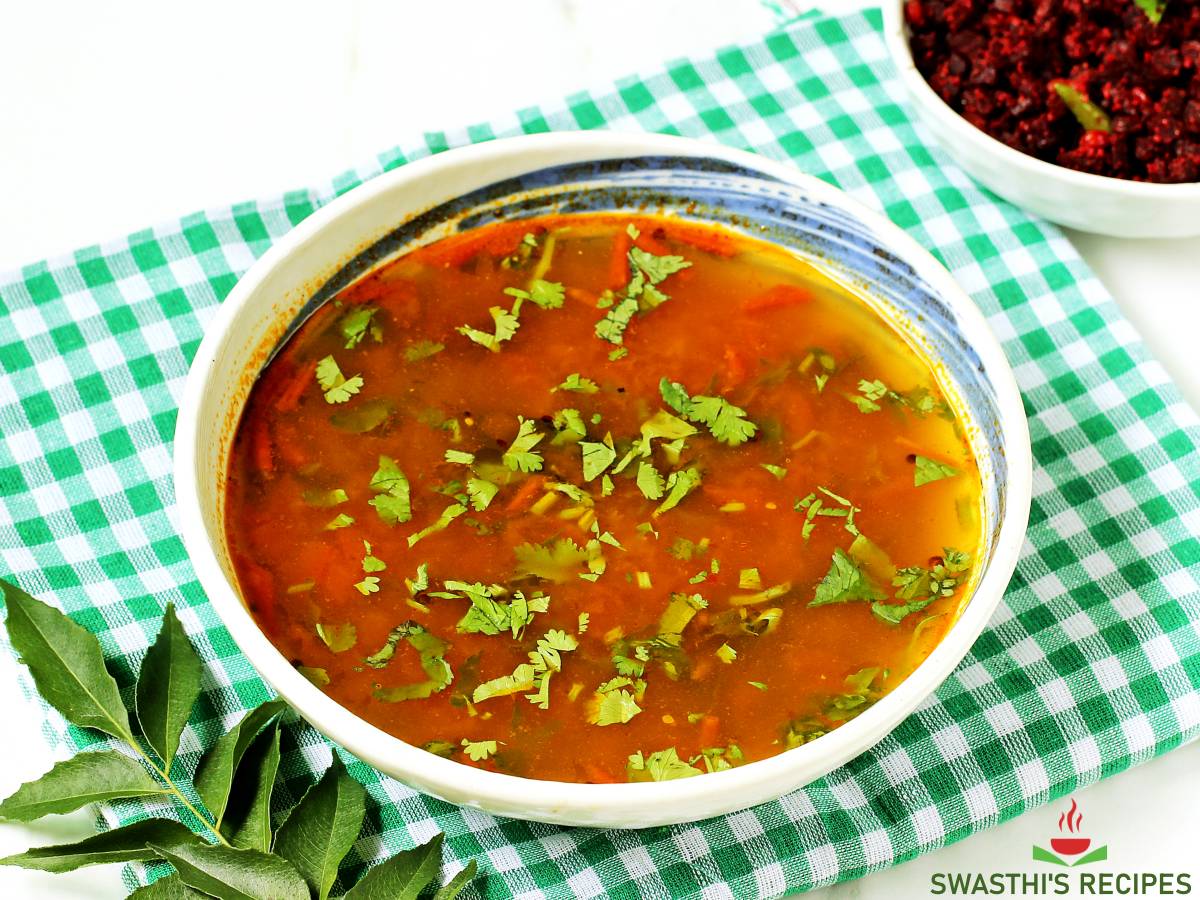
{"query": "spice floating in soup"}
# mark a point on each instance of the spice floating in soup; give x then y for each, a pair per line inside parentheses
(594, 499)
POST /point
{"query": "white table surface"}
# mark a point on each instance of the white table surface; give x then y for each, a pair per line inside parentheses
(118, 115)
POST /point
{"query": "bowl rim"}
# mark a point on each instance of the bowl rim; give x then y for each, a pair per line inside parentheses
(895, 35)
(627, 804)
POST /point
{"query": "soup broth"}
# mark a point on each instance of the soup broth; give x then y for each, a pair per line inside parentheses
(593, 498)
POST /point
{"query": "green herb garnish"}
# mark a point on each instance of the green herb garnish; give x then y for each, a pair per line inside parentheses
(844, 582)
(391, 500)
(449, 514)
(928, 470)
(577, 383)
(678, 485)
(420, 350)
(504, 326)
(357, 324)
(663, 765)
(726, 422)
(337, 387)
(478, 751)
(520, 456)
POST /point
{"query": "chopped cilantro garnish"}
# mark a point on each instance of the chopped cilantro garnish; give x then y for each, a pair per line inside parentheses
(341, 520)
(337, 387)
(681, 609)
(613, 704)
(679, 485)
(632, 231)
(544, 661)
(357, 324)
(488, 613)
(663, 765)
(569, 425)
(606, 486)
(449, 514)
(640, 294)
(520, 456)
(928, 470)
(649, 482)
(597, 456)
(325, 499)
(505, 325)
(583, 622)
(757, 684)
(478, 751)
(546, 294)
(481, 491)
(420, 350)
(421, 582)
(726, 654)
(778, 471)
(392, 501)
(772, 593)
(460, 457)
(557, 561)
(869, 393)
(844, 582)
(577, 383)
(362, 417)
(617, 353)
(369, 585)
(726, 422)
(338, 638)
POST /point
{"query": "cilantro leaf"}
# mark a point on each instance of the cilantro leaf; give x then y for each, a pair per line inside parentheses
(478, 751)
(324, 499)
(449, 514)
(546, 294)
(520, 456)
(357, 324)
(569, 425)
(392, 501)
(481, 491)
(656, 268)
(928, 470)
(612, 327)
(679, 485)
(505, 325)
(338, 638)
(597, 457)
(663, 765)
(1153, 10)
(778, 471)
(559, 560)
(614, 707)
(337, 387)
(460, 457)
(726, 422)
(577, 383)
(844, 582)
(894, 613)
(649, 482)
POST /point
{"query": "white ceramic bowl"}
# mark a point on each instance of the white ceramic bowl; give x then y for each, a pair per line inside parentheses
(1112, 206)
(315, 255)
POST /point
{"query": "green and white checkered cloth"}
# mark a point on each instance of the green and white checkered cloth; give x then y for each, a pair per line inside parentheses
(1091, 664)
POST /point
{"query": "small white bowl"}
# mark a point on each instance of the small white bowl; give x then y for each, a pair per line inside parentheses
(370, 224)
(1096, 203)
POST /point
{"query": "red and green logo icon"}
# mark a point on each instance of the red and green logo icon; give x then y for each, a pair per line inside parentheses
(1071, 843)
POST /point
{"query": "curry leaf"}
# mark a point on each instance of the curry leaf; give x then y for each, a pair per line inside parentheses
(214, 776)
(66, 663)
(323, 827)
(402, 877)
(454, 886)
(248, 820)
(233, 874)
(125, 844)
(78, 781)
(167, 687)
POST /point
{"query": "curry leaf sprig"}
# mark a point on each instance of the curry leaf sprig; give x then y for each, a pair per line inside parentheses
(233, 848)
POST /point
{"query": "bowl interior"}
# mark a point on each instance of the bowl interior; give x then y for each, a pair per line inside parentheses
(806, 217)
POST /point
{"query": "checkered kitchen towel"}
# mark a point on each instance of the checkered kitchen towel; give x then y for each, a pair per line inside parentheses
(1091, 665)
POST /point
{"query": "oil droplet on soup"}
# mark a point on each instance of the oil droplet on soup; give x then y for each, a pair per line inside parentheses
(588, 498)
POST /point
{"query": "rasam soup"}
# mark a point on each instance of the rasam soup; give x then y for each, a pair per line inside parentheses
(589, 498)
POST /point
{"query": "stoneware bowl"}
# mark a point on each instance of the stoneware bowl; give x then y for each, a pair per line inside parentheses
(521, 177)
(1112, 206)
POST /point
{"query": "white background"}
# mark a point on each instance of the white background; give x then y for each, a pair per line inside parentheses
(115, 116)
